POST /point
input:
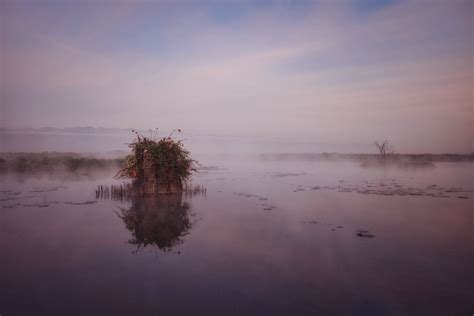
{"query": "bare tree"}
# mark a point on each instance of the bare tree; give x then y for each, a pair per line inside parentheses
(384, 147)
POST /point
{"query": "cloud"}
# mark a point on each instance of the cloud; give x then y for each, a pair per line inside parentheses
(323, 70)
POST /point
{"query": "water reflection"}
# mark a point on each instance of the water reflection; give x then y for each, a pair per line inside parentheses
(301, 257)
(160, 221)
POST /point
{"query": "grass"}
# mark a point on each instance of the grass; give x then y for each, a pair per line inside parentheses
(52, 162)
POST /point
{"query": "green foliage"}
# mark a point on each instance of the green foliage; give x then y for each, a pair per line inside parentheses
(168, 156)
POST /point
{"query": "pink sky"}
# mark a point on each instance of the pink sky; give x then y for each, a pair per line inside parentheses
(333, 72)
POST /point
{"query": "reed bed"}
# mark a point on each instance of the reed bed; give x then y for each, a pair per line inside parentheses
(126, 191)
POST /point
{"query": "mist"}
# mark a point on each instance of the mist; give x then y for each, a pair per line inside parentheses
(203, 157)
(342, 73)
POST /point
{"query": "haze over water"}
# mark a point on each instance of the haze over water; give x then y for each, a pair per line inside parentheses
(337, 72)
(266, 238)
(292, 210)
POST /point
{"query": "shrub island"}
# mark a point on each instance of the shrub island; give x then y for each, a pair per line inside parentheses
(157, 166)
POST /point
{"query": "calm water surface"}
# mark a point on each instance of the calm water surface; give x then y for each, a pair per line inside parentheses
(267, 238)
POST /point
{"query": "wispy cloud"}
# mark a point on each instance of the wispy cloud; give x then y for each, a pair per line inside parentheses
(331, 70)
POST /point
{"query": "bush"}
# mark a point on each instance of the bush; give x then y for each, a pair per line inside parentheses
(168, 156)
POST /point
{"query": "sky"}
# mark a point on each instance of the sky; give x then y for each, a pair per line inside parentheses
(337, 72)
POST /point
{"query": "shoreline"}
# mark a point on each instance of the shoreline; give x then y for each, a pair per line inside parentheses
(69, 161)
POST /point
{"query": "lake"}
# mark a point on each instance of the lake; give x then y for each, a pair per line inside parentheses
(263, 238)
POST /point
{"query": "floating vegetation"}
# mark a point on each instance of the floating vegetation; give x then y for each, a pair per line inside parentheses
(36, 205)
(81, 203)
(359, 233)
(43, 190)
(266, 206)
(283, 175)
(391, 189)
(44, 203)
(9, 199)
(11, 205)
(364, 234)
(298, 189)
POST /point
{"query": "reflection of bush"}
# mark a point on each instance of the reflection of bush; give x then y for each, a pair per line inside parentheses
(157, 221)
